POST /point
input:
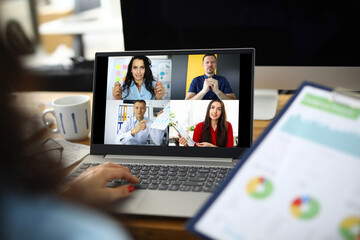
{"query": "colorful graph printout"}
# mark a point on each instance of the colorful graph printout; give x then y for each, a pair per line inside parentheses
(304, 207)
(162, 121)
(350, 228)
(311, 155)
(259, 187)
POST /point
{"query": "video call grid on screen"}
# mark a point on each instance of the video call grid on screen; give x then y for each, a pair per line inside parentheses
(173, 69)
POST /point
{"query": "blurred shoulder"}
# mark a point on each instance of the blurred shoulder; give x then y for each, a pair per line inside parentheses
(44, 217)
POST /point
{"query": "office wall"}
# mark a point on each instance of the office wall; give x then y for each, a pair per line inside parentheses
(178, 78)
(229, 67)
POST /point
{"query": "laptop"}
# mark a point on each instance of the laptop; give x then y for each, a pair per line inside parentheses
(175, 180)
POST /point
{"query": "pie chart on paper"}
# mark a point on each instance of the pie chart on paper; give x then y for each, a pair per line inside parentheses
(259, 187)
(350, 228)
(304, 207)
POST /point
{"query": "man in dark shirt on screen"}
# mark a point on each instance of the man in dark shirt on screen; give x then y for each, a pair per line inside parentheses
(210, 86)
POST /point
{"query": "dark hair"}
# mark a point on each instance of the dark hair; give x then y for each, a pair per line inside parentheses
(18, 169)
(222, 126)
(140, 101)
(207, 55)
(148, 77)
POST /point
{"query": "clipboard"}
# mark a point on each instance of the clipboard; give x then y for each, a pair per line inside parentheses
(300, 180)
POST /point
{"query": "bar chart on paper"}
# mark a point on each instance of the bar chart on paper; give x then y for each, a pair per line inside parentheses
(319, 122)
(341, 140)
(162, 121)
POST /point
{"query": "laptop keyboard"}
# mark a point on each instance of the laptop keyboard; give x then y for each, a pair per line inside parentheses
(169, 177)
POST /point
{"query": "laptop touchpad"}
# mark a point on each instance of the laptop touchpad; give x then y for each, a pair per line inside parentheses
(131, 203)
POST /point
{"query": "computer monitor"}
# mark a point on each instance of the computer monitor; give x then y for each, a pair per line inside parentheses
(294, 40)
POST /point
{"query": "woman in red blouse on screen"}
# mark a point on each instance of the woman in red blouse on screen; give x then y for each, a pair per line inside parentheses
(215, 131)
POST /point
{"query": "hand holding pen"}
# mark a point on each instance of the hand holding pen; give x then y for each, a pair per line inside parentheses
(159, 91)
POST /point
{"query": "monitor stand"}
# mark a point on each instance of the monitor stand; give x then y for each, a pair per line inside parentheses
(265, 104)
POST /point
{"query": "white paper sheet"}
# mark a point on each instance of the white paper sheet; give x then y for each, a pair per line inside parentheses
(162, 121)
(184, 133)
(301, 182)
(73, 152)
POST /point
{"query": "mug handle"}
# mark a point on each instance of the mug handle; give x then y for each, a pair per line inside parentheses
(51, 111)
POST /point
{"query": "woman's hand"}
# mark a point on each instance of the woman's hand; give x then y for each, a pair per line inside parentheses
(205, 144)
(183, 141)
(159, 91)
(117, 91)
(90, 186)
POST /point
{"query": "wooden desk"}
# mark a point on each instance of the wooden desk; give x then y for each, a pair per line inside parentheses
(141, 227)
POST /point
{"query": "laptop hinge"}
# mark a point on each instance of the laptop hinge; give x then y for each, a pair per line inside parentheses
(169, 158)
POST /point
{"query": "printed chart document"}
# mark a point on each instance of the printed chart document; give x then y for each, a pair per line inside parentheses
(162, 121)
(182, 131)
(301, 179)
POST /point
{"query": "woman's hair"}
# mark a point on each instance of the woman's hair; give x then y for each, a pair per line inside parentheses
(148, 77)
(222, 126)
(18, 169)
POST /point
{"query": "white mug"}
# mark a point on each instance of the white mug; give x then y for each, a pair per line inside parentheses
(72, 114)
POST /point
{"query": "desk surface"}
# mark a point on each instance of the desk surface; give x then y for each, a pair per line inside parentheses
(141, 227)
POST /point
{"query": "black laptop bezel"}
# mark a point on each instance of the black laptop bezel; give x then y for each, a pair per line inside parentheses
(246, 89)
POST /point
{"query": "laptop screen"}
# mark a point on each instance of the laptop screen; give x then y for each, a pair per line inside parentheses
(194, 103)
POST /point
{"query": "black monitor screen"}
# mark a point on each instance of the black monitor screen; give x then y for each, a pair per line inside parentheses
(284, 33)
